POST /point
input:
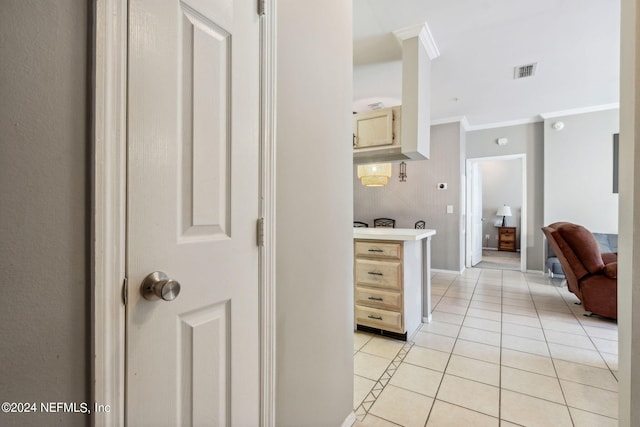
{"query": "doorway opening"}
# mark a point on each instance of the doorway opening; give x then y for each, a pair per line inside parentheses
(496, 213)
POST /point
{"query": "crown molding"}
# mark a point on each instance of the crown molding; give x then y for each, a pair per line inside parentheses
(536, 119)
(424, 33)
(505, 124)
(583, 110)
(464, 123)
(457, 119)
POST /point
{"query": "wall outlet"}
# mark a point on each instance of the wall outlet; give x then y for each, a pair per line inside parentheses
(486, 236)
(442, 186)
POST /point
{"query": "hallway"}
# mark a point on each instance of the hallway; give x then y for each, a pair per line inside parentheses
(504, 349)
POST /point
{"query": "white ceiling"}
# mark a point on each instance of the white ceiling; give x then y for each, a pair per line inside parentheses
(574, 42)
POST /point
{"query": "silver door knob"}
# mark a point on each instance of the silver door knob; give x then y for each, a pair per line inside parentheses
(157, 285)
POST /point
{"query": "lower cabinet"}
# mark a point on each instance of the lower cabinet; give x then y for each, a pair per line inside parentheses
(507, 239)
(388, 283)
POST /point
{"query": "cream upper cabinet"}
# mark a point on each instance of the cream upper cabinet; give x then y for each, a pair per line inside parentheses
(374, 128)
(375, 134)
(379, 136)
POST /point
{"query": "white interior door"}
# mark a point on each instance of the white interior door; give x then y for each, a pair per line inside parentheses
(193, 157)
(476, 214)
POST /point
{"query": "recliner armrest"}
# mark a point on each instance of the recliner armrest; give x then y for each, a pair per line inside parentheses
(609, 257)
(611, 270)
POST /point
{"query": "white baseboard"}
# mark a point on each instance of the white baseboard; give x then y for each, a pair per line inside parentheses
(351, 418)
(438, 270)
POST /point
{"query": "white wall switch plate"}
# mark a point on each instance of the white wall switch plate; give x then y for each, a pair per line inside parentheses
(449, 209)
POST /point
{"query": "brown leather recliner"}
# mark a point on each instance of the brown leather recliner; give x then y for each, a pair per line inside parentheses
(590, 275)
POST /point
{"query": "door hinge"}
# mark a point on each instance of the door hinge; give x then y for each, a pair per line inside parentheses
(260, 232)
(125, 290)
(261, 7)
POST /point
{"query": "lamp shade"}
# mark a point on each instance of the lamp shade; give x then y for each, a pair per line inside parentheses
(374, 175)
(504, 211)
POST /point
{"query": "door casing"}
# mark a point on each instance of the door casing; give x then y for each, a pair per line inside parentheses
(109, 211)
(523, 214)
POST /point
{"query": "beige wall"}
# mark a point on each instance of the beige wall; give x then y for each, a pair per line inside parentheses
(314, 238)
(43, 213)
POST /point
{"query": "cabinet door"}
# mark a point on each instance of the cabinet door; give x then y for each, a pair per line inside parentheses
(373, 129)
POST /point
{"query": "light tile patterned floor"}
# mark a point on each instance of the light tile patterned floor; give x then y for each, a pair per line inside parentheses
(504, 349)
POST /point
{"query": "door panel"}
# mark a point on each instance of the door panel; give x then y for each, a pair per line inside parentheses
(205, 126)
(206, 133)
(204, 360)
(193, 127)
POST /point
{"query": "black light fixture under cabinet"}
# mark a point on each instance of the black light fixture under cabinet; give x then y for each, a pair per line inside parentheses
(403, 172)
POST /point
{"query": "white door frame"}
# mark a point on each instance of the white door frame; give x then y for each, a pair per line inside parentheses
(523, 214)
(109, 212)
(472, 173)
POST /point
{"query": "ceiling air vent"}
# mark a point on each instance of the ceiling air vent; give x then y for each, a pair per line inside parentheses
(524, 71)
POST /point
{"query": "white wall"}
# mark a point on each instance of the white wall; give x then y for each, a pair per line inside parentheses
(523, 139)
(629, 225)
(44, 257)
(578, 171)
(419, 199)
(377, 82)
(501, 185)
(314, 238)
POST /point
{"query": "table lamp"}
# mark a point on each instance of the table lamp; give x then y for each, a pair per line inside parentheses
(504, 212)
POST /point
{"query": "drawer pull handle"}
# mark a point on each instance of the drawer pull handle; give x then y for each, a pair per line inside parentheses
(371, 316)
(376, 250)
(376, 299)
(375, 273)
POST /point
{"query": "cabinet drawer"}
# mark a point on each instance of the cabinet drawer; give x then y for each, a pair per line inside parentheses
(378, 249)
(379, 298)
(382, 319)
(384, 274)
(508, 238)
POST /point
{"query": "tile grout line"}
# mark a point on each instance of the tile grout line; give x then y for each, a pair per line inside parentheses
(460, 287)
(435, 398)
(448, 359)
(555, 369)
(597, 350)
(407, 346)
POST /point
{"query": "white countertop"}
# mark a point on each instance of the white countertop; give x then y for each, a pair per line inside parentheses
(391, 233)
